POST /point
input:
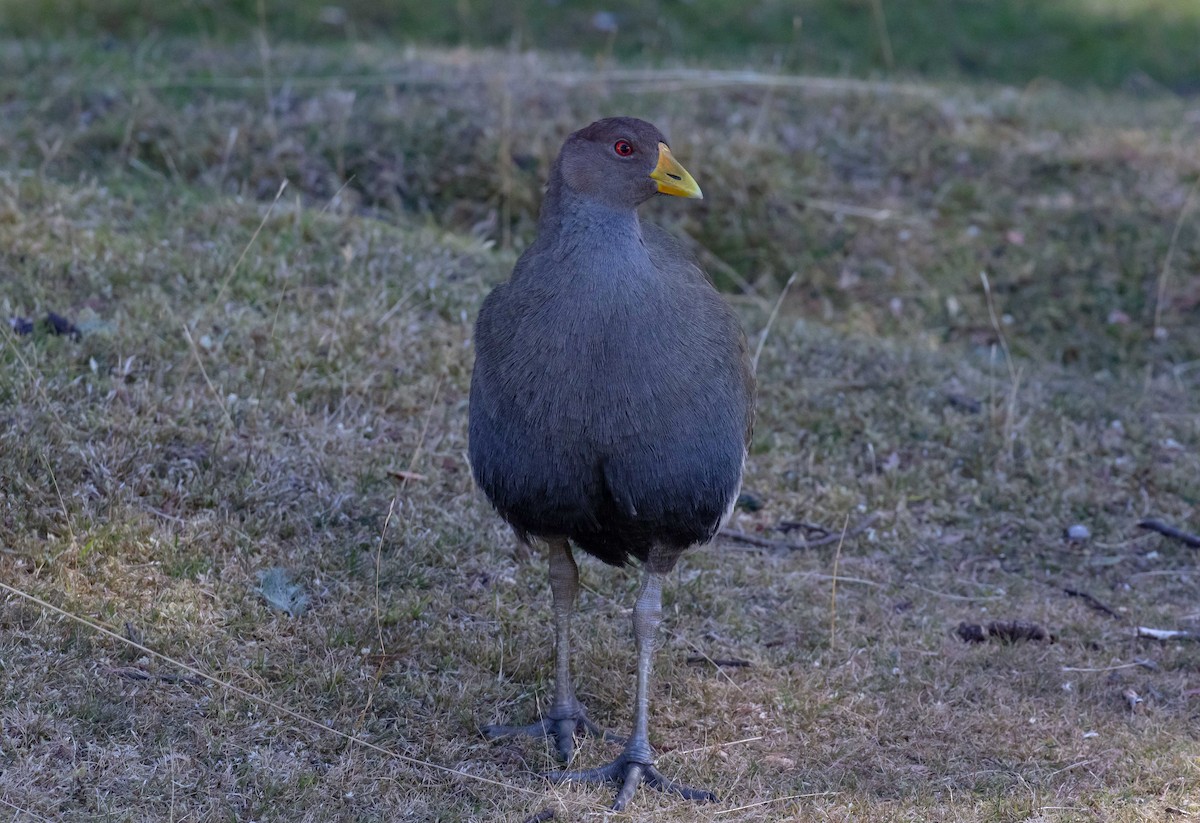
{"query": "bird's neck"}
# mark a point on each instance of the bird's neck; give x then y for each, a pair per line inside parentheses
(574, 224)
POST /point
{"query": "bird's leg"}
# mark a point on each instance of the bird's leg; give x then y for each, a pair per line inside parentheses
(566, 715)
(564, 589)
(635, 765)
(566, 712)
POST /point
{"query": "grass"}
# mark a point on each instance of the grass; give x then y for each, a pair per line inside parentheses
(1144, 45)
(253, 372)
(891, 209)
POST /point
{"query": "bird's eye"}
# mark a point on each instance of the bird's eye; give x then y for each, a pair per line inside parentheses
(623, 148)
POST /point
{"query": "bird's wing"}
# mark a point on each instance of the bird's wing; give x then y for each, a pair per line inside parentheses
(671, 256)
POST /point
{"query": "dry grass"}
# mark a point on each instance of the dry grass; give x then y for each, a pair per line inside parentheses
(889, 199)
(240, 399)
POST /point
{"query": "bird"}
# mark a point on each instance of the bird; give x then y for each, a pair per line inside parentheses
(611, 408)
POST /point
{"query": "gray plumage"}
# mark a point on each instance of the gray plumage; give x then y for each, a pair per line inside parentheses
(612, 400)
(611, 406)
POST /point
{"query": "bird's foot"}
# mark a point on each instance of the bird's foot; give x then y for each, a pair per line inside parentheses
(631, 774)
(562, 725)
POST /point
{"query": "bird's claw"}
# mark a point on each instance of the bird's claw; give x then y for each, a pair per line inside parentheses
(562, 728)
(631, 774)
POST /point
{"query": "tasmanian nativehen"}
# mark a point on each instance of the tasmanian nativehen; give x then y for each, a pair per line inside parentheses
(611, 406)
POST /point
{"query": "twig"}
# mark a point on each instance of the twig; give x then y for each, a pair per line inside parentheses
(731, 662)
(833, 581)
(134, 673)
(713, 746)
(1091, 601)
(1161, 294)
(504, 163)
(1006, 631)
(1014, 374)
(62, 503)
(710, 259)
(170, 517)
(991, 307)
(237, 263)
(333, 199)
(1145, 664)
(774, 800)
(1166, 634)
(762, 340)
(967, 598)
(1075, 765)
(786, 526)
(699, 652)
(1186, 538)
(841, 578)
(789, 546)
(187, 334)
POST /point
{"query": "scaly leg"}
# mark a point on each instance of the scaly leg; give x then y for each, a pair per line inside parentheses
(635, 765)
(566, 715)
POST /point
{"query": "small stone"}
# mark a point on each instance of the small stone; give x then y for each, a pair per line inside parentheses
(1078, 532)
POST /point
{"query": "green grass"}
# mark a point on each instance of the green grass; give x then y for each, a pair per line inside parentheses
(240, 399)
(1106, 43)
(890, 204)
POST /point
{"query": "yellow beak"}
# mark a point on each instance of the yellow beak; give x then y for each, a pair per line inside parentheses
(673, 178)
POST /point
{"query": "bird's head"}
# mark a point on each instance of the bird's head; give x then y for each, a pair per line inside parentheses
(623, 162)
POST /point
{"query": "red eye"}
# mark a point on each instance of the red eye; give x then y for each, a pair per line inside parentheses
(623, 148)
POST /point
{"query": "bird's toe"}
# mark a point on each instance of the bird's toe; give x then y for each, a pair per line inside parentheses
(590, 728)
(562, 726)
(631, 774)
(633, 778)
(564, 738)
(655, 779)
